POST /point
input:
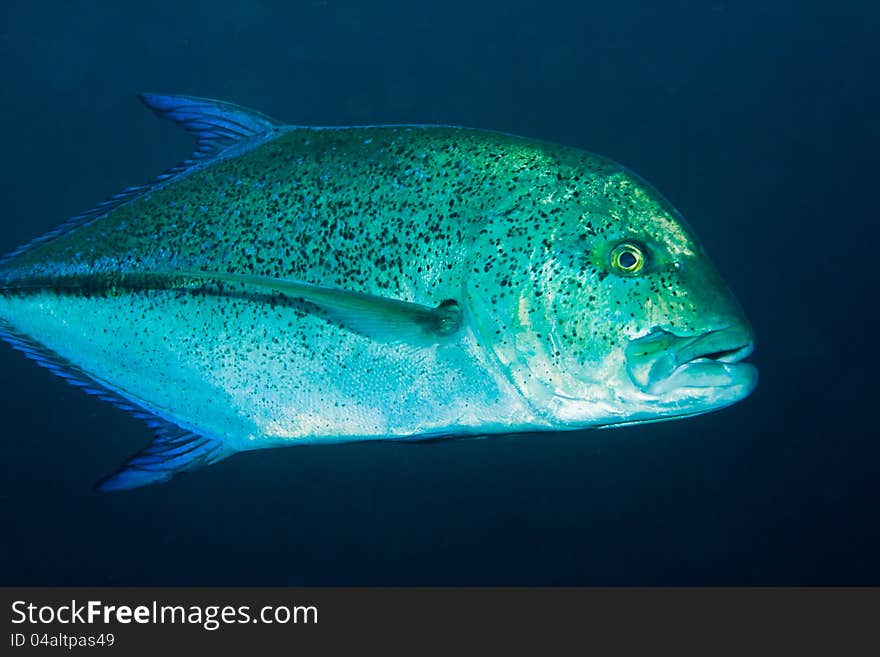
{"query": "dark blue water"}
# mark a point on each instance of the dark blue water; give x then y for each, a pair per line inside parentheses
(757, 119)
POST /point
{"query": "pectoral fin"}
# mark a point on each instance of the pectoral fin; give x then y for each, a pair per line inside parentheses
(379, 318)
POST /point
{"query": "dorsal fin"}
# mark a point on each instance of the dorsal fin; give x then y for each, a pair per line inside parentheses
(215, 125)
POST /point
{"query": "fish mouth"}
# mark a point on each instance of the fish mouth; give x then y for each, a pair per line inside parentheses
(662, 362)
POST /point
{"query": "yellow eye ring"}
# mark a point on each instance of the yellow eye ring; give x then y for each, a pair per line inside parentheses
(628, 258)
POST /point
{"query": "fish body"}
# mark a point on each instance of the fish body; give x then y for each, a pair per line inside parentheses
(294, 285)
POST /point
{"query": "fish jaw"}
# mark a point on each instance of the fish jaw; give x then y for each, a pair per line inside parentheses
(656, 377)
(692, 374)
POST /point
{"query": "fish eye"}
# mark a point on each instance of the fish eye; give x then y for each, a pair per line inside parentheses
(628, 258)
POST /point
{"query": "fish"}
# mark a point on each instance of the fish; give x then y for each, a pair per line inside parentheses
(296, 285)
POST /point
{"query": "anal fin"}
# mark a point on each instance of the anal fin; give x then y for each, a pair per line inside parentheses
(174, 449)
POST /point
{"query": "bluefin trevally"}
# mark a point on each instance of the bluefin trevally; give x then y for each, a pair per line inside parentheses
(292, 285)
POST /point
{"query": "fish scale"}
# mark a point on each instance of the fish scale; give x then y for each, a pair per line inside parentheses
(294, 285)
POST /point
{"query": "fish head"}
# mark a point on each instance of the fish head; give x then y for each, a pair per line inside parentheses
(614, 314)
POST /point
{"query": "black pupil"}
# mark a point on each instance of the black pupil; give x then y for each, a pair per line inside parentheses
(627, 260)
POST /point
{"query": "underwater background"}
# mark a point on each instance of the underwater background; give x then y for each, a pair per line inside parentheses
(758, 120)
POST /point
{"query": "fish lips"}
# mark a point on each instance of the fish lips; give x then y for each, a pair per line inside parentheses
(662, 362)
